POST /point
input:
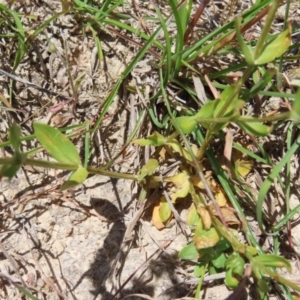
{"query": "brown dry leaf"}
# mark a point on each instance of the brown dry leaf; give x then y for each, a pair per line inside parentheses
(196, 181)
(5, 101)
(212, 88)
(296, 296)
(205, 217)
(60, 120)
(220, 197)
(200, 91)
(162, 153)
(213, 185)
(195, 149)
(229, 216)
(242, 163)
(156, 220)
(228, 151)
(227, 212)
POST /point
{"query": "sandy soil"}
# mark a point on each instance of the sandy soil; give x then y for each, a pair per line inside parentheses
(88, 243)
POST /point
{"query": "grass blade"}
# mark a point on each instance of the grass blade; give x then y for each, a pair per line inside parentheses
(269, 180)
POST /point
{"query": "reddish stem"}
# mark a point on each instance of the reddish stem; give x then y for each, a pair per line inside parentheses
(195, 19)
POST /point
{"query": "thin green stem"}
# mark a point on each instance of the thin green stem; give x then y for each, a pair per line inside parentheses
(223, 110)
(39, 163)
(274, 275)
(111, 174)
(235, 92)
(68, 167)
(282, 116)
(264, 34)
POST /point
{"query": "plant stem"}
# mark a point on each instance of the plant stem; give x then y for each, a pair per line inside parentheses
(274, 275)
(282, 116)
(222, 111)
(69, 167)
(49, 164)
(111, 174)
(264, 34)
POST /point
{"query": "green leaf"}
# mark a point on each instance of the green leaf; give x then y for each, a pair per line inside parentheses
(155, 140)
(263, 285)
(211, 269)
(199, 270)
(219, 261)
(210, 110)
(147, 169)
(234, 106)
(181, 15)
(177, 147)
(164, 210)
(234, 270)
(14, 137)
(199, 229)
(230, 280)
(272, 260)
(189, 252)
(261, 83)
(236, 263)
(182, 184)
(192, 218)
(246, 50)
(275, 48)
(78, 82)
(254, 128)
(296, 107)
(184, 12)
(264, 188)
(26, 292)
(227, 92)
(223, 245)
(56, 144)
(251, 251)
(206, 112)
(206, 239)
(77, 177)
(9, 170)
(186, 123)
(232, 111)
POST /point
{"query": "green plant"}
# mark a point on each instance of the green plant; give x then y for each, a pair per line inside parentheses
(187, 134)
